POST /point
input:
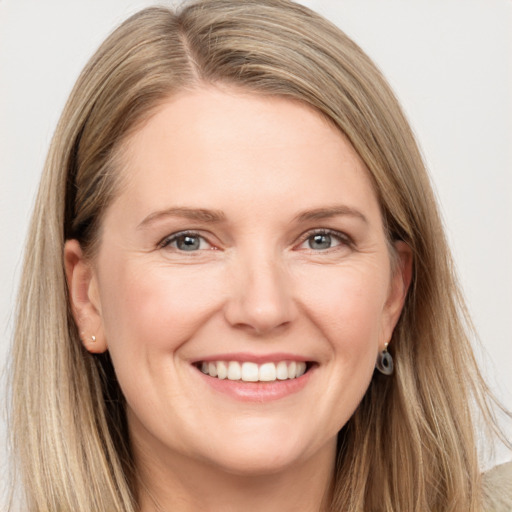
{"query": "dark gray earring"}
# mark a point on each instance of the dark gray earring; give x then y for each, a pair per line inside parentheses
(384, 362)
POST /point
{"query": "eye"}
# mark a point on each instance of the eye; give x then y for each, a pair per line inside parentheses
(186, 242)
(323, 240)
(320, 241)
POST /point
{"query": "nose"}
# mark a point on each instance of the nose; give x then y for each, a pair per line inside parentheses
(261, 296)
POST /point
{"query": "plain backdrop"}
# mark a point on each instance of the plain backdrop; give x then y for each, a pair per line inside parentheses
(449, 61)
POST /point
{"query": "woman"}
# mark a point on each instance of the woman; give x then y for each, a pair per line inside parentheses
(233, 225)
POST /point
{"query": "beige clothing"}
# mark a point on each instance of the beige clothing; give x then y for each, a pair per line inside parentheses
(498, 488)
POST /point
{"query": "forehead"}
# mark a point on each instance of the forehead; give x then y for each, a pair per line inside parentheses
(215, 144)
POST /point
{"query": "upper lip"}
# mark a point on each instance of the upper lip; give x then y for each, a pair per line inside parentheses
(253, 358)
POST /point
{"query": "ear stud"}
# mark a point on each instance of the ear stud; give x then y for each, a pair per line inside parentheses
(83, 337)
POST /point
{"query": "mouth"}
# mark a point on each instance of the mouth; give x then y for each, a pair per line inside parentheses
(256, 378)
(249, 371)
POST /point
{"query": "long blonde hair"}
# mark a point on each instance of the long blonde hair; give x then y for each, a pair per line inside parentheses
(410, 445)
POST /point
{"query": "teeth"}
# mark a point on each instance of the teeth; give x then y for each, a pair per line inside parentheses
(301, 369)
(234, 370)
(282, 370)
(212, 369)
(252, 372)
(268, 372)
(222, 370)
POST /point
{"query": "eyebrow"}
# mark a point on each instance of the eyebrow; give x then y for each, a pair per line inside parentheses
(198, 214)
(218, 216)
(326, 213)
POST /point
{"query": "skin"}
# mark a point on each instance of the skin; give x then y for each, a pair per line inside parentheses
(259, 284)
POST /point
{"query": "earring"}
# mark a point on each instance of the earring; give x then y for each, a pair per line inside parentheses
(384, 361)
(83, 337)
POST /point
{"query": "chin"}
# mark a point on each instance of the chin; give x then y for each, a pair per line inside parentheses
(257, 462)
(264, 451)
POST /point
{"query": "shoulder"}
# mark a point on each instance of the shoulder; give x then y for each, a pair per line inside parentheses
(497, 484)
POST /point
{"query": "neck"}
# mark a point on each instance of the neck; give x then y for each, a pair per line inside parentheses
(186, 485)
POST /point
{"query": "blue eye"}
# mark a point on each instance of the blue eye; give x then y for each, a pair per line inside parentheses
(320, 241)
(323, 240)
(186, 242)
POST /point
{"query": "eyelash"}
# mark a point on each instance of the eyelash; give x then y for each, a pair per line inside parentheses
(343, 239)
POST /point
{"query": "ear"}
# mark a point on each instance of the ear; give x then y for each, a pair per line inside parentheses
(399, 285)
(84, 297)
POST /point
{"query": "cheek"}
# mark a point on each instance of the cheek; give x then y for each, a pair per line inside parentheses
(347, 303)
(156, 306)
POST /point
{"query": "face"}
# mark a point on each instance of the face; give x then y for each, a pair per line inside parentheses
(243, 284)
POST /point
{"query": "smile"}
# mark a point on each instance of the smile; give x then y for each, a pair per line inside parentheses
(252, 372)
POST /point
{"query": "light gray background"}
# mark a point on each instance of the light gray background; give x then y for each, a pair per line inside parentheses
(450, 62)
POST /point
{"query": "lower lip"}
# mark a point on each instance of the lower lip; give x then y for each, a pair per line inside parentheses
(257, 391)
